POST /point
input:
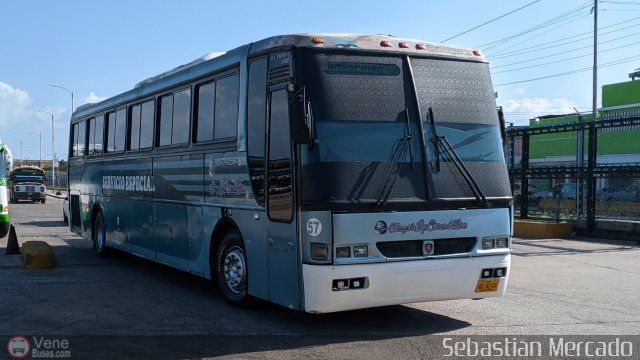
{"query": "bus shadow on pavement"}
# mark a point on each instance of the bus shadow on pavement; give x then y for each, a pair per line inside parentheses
(547, 247)
(47, 224)
(189, 317)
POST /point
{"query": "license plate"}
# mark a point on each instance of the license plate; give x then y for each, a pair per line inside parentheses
(487, 285)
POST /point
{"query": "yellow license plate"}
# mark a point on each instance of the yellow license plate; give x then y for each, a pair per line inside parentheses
(487, 285)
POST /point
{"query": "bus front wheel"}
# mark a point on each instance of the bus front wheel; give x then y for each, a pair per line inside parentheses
(231, 271)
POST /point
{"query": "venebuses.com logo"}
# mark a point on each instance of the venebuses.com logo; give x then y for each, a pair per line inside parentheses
(18, 347)
(38, 347)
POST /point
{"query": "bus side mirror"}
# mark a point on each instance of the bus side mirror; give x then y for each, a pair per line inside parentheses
(503, 127)
(301, 118)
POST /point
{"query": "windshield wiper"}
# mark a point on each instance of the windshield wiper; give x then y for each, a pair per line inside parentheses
(396, 160)
(434, 139)
(453, 155)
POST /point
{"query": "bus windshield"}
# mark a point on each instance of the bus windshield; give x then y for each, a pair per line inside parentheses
(28, 174)
(363, 108)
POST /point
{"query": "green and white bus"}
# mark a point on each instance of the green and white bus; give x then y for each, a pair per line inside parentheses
(322, 172)
(5, 166)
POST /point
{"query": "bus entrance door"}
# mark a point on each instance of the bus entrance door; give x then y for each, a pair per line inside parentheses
(281, 228)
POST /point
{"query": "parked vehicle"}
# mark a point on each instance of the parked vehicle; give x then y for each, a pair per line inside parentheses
(547, 194)
(65, 209)
(517, 192)
(27, 183)
(630, 194)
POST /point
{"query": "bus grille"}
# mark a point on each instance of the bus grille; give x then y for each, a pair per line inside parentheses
(413, 248)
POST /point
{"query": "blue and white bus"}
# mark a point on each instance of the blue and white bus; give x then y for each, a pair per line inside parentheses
(321, 172)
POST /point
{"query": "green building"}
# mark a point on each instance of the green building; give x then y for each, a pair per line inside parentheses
(616, 145)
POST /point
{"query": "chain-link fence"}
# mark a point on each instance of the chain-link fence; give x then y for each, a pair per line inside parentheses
(581, 171)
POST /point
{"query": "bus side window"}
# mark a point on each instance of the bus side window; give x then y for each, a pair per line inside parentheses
(82, 137)
(280, 202)
(175, 117)
(74, 143)
(99, 138)
(91, 131)
(111, 131)
(256, 116)
(226, 108)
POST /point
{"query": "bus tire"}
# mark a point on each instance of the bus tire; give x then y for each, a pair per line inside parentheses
(99, 236)
(43, 201)
(231, 271)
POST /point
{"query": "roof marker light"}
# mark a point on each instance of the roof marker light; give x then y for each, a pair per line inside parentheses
(404, 45)
(385, 43)
(421, 47)
(477, 53)
(317, 40)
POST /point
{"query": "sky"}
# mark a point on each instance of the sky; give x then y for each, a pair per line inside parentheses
(100, 48)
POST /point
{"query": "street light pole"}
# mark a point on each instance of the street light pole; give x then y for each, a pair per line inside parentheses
(67, 90)
(70, 117)
(53, 160)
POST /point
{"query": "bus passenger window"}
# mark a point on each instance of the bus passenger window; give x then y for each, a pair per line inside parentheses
(111, 132)
(121, 128)
(134, 128)
(75, 140)
(99, 138)
(166, 114)
(146, 125)
(175, 116)
(82, 137)
(205, 112)
(181, 116)
(91, 130)
(226, 119)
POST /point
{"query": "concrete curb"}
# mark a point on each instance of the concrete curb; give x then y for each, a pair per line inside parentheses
(542, 230)
(37, 255)
(57, 196)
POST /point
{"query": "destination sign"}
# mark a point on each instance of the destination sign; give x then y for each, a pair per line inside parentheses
(350, 68)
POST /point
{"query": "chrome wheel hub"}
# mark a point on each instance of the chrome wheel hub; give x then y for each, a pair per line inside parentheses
(234, 270)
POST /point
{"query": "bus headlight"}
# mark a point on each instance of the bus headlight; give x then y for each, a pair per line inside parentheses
(343, 252)
(502, 243)
(319, 251)
(487, 244)
(17, 188)
(360, 251)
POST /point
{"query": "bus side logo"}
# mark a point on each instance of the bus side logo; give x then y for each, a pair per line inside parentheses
(381, 227)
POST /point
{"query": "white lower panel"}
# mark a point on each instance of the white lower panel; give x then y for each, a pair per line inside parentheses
(401, 282)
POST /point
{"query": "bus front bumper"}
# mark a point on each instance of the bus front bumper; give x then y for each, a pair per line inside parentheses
(401, 282)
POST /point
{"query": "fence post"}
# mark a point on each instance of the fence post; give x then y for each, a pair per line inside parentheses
(524, 185)
(591, 181)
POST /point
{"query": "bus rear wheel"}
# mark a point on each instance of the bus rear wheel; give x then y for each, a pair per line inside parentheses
(99, 238)
(231, 272)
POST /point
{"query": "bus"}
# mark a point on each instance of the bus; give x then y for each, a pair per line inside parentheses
(321, 172)
(27, 183)
(5, 160)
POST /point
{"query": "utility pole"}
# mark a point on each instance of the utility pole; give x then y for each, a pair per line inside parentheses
(593, 131)
(595, 59)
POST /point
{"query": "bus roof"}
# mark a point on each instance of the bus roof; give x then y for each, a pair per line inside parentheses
(29, 168)
(217, 61)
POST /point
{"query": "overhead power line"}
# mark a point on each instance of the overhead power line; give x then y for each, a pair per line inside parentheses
(564, 52)
(563, 17)
(490, 21)
(584, 36)
(572, 20)
(613, 63)
(576, 49)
